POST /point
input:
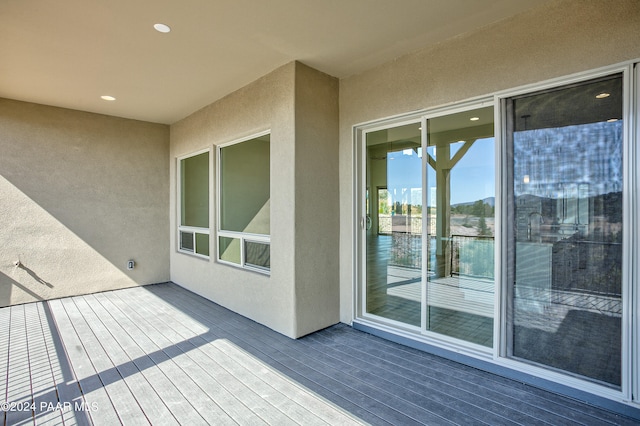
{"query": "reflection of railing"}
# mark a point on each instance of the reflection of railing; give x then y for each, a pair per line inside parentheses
(472, 256)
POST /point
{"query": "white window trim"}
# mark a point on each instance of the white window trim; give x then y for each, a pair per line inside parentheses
(242, 236)
(193, 229)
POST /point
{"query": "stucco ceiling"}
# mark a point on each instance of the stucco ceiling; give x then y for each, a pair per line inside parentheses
(70, 52)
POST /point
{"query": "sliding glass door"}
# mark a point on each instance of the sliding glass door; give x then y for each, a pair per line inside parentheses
(520, 246)
(393, 177)
(461, 226)
(566, 239)
(429, 200)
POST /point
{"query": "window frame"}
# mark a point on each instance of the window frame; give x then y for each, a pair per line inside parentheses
(243, 237)
(194, 230)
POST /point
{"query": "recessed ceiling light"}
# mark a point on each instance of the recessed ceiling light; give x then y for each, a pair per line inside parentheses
(603, 95)
(474, 118)
(612, 120)
(108, 98)
(162, 28)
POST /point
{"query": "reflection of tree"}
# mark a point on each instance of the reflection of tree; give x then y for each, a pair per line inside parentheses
(478, 208)
(383, 202)
(482, 226)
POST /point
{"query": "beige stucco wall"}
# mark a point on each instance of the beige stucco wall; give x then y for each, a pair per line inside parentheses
(80, 194)
(300, 107)
(267, 103)
(557, 39)
(317, 225)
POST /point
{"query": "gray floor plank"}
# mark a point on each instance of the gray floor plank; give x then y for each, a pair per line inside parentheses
(19, 393)
(66, 387)
(156, 363)
(558, 414)
(123, 400)
(5, 323)
(89, 381)
(214, 353)
(352, 391)
(144, 394)
(236, 380)
(162, 355)
(361, 404)
(314, 406)
(222, 391)
(543, 405)
(443, 389)
(120, 327)
(42, 380)
(213, 403)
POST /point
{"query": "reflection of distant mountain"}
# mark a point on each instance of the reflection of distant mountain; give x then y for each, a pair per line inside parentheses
(489, 200)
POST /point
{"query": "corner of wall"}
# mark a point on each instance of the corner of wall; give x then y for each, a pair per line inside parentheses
(317, 226)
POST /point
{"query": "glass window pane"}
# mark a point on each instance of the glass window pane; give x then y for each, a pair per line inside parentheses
(186, 241)
(202, 244)
(257, 254)
(461, 208)
(244, 186)
(230, 249)
(194, 191)
(566, 208)
(394, 239)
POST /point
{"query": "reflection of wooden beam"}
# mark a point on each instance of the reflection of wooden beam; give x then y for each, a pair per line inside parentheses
(432, 162)
(443, 164)
(461, 152)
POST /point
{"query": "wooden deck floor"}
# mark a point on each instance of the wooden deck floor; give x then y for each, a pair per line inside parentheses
(162, 355)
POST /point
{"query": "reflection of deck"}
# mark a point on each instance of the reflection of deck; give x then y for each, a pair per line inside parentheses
(469, 295)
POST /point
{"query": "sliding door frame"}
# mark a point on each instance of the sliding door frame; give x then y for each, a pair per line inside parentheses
(498, 356)
(630, 242)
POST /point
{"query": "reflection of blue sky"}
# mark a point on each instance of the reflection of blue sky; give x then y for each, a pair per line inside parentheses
(471, 179)
(404, 178)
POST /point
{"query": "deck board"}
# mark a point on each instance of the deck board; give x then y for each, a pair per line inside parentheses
(211, 399)
(5, 324)
(152, 406)
(40, 370)
(166, 395)
(380, 402)
(83, 370)
(162, 355)
(19, 380)
(66, 388)
(122, 398)
(291, 400)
